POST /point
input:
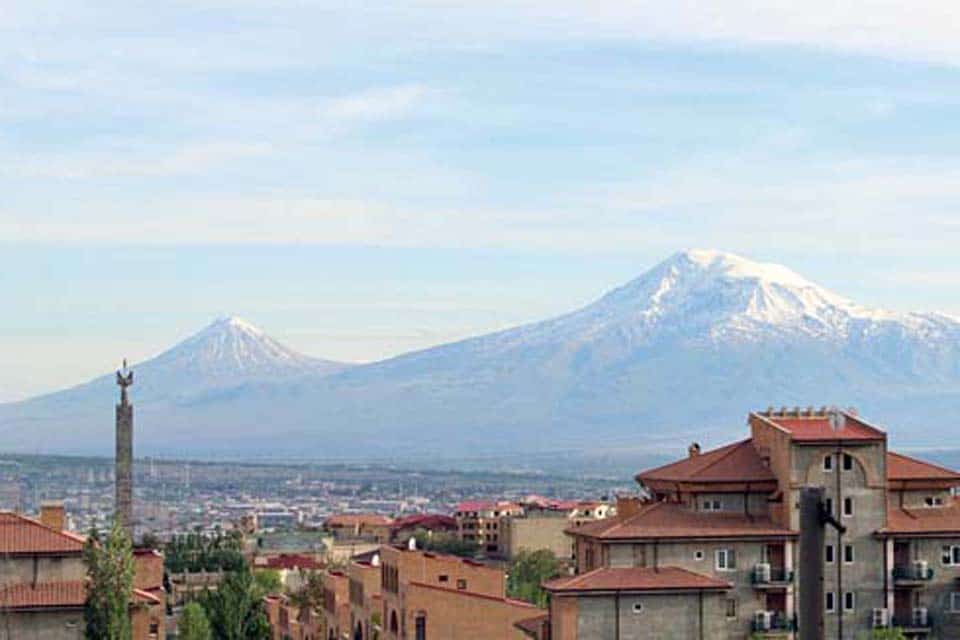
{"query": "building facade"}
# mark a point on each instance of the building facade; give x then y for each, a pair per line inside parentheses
(712, 553)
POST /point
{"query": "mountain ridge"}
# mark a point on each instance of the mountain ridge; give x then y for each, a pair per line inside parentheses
(690, 345)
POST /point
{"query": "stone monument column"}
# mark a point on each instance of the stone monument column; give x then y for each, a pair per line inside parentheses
(123, 505)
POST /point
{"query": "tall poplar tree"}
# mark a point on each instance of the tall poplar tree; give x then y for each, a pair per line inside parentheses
(110, 571)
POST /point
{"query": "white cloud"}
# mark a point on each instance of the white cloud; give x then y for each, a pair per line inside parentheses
(375, 104)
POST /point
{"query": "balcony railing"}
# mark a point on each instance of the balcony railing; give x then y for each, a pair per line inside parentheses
(776, 575)
(912, 622)
(779, 623)
(913, 574)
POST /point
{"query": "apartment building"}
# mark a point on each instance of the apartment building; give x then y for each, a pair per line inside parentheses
(543, 525)
(43, 581)
(365, 601)
(478, 522)
(713, 553)
(335, 614)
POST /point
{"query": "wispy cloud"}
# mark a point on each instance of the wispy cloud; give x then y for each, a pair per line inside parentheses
(375, 104)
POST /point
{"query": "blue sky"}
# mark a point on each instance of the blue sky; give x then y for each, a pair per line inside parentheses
(361, 182)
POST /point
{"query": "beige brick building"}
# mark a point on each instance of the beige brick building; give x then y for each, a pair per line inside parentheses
(713, 553)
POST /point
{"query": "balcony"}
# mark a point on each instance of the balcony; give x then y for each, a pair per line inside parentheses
(915, 575)
(772, 624)
(766, 577)
(914, 625)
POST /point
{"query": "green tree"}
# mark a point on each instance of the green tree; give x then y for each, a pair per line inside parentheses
(109, 563)
(445, 543)
(894, 633)
(309, 595)
(194, 624)
(528, 571)
(268, 581)
(236, 609)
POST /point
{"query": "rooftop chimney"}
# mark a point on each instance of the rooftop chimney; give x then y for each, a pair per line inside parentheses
(693, 450)
(627, 506)
(53, 514)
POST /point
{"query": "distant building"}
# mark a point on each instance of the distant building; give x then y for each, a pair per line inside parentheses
(360, 526)
(431, 524)
(478, 522)
(714, 553)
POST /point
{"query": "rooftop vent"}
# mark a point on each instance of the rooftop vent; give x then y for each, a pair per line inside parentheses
(693, 450)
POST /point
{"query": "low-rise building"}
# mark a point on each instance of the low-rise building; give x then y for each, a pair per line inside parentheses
(43, 581)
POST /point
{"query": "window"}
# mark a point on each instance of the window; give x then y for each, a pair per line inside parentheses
(828, 505)
(848, 554)
(951, 555)
(443, 578)
(731, 607)
(828, 553)
(698, 555)
(848, 507)
(461, 584)
(828, 463)
(830, 602)
(849, 601)
(712, 504)
(726, 560)
(955, 602)
(638, 607)
(847, 462)
(933, 501)
(420, 627)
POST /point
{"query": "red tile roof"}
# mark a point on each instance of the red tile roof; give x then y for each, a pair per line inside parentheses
(672, 520)
(487, 505)
(901, 467)
(426, 520)
(924, 521)
(292, 561)
(55, 595)
(533, 627)
(737, 462)
(817, 427)
(22, 535)
(636, 579)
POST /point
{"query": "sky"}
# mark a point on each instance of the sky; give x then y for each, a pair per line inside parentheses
(363, 181)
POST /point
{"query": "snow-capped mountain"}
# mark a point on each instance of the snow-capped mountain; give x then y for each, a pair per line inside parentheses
(210, 366)
(687, 348)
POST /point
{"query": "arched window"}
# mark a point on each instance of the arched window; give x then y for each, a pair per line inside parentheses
(394, 625)
(420, 627)
(358, 632)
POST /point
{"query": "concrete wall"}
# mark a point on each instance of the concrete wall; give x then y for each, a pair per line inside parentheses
(534, 533)
(26, 569)
(48, 625)
(681, 616)
(455, 614)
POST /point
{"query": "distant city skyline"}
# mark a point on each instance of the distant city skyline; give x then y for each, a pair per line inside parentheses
(363, 182)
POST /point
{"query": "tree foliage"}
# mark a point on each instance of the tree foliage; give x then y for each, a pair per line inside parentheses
(194, 624)
(445, 543)
(236, 609)
(110, 568)
(197, 551)
(528, 571)
(309, 595)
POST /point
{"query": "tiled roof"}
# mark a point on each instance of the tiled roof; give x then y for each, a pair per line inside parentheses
(292, 561)
(901, 467)
(355, 519)
(924, 521)
(22, 535)
(55, 595)
(672, 520)
(737, 462)
(636, 579)
(426, 520)
(533, 626)
(817, 427)
(486, 505)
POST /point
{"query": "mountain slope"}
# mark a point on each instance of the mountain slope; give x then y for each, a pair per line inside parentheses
(683, 351)
(217, 362)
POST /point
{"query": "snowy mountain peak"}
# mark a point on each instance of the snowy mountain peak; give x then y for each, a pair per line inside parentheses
(732, 266)
(233, 323)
